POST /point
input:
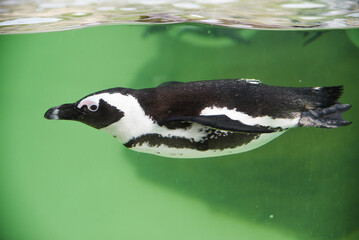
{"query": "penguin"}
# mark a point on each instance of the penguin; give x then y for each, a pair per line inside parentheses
(204, 118)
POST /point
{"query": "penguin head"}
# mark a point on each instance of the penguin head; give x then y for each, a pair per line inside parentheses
(96, 110)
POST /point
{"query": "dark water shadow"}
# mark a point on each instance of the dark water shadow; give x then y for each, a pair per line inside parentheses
(286, 184)
(275, 189)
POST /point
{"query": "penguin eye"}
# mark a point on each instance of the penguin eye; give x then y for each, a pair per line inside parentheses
(93, 108)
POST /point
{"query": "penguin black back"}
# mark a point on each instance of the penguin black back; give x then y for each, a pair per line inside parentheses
(251, 97)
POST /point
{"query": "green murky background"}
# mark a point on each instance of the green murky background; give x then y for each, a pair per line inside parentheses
(62, 180)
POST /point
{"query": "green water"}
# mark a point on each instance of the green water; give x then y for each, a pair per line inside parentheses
(63, 180)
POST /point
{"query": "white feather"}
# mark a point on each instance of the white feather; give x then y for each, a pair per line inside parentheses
(266, 121)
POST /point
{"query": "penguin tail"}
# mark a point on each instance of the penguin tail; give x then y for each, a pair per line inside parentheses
(328, 96)
(329, 117)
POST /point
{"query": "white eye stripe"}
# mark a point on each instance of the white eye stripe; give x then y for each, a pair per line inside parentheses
(91, 105)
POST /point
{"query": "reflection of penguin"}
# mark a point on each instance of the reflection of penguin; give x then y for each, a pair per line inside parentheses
(205, 118)
(313, 37)
(204, 35)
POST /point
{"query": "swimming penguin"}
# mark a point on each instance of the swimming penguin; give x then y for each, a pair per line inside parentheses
(204, 118)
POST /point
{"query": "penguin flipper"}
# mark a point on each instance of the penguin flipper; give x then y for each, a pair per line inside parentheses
(221, 122)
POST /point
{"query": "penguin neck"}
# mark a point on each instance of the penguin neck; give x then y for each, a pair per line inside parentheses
(134, 123)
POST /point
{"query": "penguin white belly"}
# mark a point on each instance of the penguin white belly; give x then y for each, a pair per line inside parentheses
(179, 147)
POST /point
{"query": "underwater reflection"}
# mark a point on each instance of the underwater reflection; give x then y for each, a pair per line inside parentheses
(272, 187)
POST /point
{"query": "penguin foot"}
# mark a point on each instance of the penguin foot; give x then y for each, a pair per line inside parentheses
(330, 117)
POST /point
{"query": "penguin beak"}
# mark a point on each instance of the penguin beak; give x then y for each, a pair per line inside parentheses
(65, 112)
